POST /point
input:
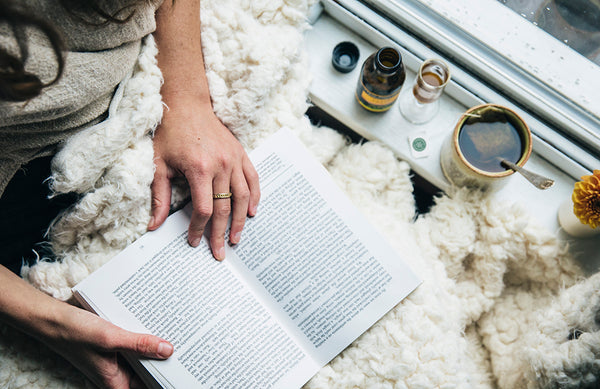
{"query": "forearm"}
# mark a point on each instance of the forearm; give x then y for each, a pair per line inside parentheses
(191, 141)
(28, 309)
(180, 50)
(89, 342)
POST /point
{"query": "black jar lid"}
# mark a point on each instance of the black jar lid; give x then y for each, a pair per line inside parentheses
(345, 57)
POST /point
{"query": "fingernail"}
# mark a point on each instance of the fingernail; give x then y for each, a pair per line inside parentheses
(195, 242)
(253, 209)
(221, 254)
(165, 349)
(235, 239)
(151, 224)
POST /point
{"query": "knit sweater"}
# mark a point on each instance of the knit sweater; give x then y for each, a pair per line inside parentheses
(98, 57)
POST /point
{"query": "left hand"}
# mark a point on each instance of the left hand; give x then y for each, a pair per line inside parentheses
(192, 142)
(92, 345)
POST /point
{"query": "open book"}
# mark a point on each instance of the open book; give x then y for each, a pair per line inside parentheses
(309, 276)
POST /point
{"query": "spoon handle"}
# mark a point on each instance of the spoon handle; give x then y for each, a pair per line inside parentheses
(537, 180)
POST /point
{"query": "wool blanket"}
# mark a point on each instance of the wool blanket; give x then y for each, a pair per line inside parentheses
(502, 304)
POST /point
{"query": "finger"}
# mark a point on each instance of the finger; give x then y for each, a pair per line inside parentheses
(119, 376)
(144, 345)
(135, 382)
(161, 196)
(253, 184)
(240, 199)
(103, 335)
(221, 212)
(202, 207)
(132, 379)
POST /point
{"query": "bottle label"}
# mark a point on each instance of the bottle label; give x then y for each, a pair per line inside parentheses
(374, 102)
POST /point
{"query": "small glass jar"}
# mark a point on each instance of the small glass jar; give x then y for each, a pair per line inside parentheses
(420, 103)
(381, 78)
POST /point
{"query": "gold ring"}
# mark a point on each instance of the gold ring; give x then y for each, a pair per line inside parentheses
(222, 195)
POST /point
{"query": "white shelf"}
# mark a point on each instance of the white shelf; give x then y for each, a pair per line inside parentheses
(333, 92)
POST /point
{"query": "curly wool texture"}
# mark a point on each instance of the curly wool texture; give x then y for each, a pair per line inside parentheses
(110, 165)
(500, 295)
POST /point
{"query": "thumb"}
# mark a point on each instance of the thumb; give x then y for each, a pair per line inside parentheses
(145, 345)
(161, 196)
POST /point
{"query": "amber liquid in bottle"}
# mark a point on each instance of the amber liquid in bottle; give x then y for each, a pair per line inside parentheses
(381, 78)
(433, 80)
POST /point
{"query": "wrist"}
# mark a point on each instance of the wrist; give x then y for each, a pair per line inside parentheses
(28, 309)
(186, 96)
(187, 107)
(47, 323)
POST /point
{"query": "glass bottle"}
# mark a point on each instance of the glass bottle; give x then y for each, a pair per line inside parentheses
(381, 78)
(420, 103)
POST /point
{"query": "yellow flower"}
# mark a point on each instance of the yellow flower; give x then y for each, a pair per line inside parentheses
(586, 199)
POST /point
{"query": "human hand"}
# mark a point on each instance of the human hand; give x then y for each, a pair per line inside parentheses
(92, 344)
(192, 142)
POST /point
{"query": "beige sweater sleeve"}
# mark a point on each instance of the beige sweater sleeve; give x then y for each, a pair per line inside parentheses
(98, 58)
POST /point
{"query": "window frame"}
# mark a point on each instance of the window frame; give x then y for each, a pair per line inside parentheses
(561, 127)
(333, 92)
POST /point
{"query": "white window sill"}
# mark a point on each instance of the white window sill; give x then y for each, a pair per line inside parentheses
(333, 92)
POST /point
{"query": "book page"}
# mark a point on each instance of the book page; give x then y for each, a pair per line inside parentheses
(309, 276)
(223, 337)
(314, 259)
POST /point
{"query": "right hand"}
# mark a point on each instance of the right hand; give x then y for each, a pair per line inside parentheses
(192, 142)
(91, 344)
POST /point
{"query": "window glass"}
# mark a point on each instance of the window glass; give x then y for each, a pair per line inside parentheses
(576, 23)
(544, 55)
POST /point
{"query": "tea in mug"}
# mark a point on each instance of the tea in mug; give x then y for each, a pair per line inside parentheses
(483, 137)
(488, 137)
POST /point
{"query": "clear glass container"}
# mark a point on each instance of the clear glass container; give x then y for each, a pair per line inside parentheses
(420, 103)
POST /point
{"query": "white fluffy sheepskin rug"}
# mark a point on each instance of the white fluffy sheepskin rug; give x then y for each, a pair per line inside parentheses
(502, 305)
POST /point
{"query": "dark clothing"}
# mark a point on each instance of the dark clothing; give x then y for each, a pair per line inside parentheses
(26, 212)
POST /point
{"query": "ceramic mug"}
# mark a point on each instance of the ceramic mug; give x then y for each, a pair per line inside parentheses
(483, 136)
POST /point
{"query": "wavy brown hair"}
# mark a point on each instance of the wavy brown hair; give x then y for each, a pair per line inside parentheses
(16, 84)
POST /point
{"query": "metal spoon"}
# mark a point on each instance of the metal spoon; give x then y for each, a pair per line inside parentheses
(538, 181)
